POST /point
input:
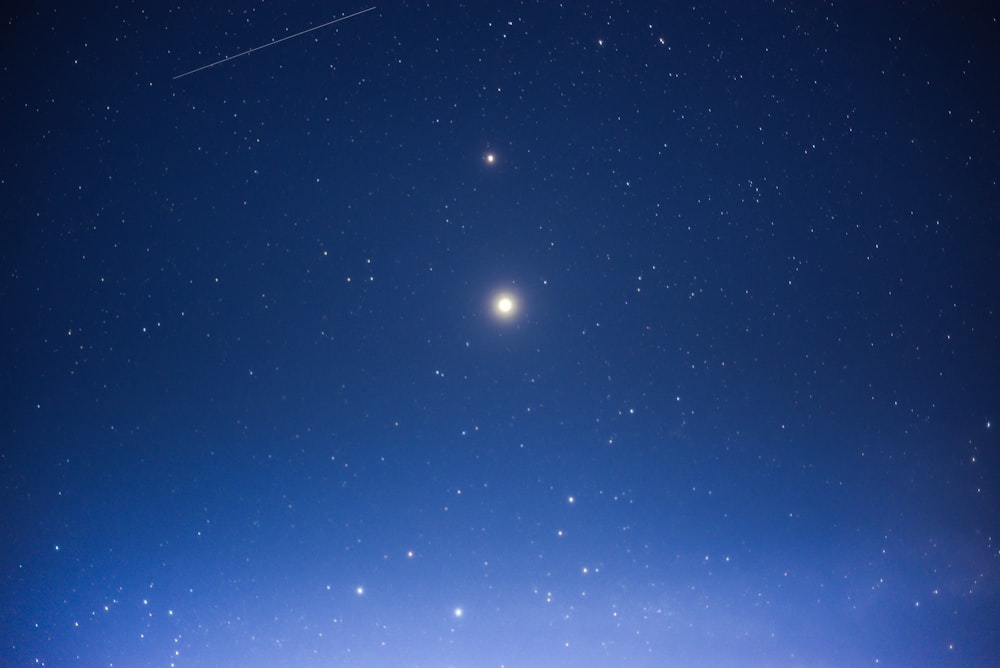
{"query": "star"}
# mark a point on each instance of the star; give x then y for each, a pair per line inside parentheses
(504, 305)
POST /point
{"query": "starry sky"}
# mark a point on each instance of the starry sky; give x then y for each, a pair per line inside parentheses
(262, 406)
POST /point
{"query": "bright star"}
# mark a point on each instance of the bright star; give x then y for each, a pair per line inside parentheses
(504, 305)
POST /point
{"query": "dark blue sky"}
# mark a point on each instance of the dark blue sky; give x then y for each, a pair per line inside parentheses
(259, 408)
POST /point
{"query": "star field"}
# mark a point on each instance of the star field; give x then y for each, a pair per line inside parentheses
(537, 334)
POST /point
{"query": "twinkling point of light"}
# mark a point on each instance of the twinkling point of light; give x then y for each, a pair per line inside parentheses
(504, 305)
(490, 158)
(458, 612)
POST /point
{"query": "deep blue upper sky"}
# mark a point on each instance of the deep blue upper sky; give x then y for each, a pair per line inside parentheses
(259, 408)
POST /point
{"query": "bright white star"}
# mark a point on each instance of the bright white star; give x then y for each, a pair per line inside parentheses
(504, 305)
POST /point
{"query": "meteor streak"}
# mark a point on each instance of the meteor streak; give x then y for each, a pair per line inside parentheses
(277, 41)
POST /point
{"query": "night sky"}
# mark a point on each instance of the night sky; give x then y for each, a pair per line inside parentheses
(262, 406)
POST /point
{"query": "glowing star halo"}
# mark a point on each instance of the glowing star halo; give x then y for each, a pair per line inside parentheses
(504, 305)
